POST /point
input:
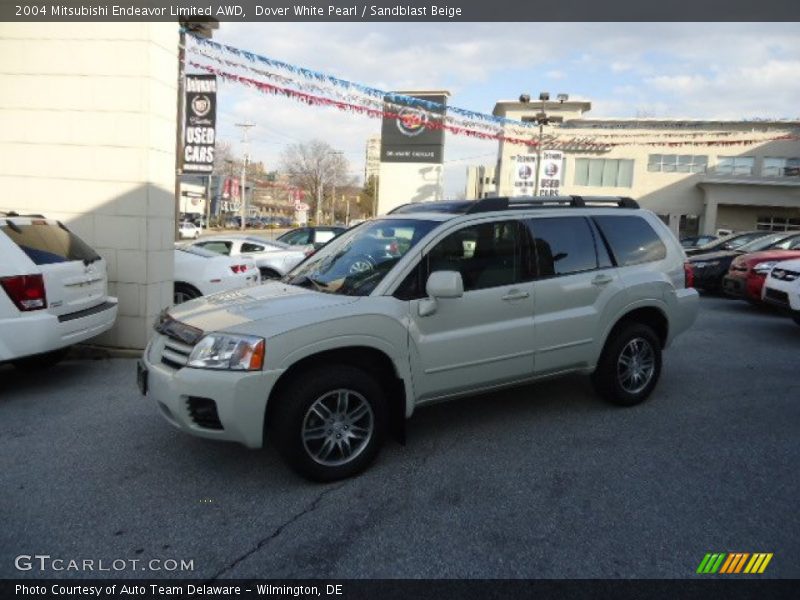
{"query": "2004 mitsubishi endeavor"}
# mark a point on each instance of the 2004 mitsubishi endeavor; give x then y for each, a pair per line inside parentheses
(433, 301)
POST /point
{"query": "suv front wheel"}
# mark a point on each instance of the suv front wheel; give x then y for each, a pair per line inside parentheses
(629, 366)
(330, 423)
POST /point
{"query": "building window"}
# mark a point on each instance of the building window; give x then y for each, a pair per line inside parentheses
(780, 167)
(768, 223)
(735, 165)
(677, 163)
(604, 172)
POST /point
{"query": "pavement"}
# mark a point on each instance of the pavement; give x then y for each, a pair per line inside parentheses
(545, 481)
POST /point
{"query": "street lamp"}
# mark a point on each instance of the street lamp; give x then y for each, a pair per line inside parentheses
(542, 119)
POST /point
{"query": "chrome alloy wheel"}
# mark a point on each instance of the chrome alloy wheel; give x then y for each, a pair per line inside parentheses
(337, 427)
(636, 365)
(361, 265)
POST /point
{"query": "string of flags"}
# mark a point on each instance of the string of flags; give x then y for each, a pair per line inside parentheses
(274, 77)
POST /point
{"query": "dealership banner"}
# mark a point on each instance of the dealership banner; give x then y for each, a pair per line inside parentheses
(199, 131)
(551, 173)
(523, 174)
(410, 134)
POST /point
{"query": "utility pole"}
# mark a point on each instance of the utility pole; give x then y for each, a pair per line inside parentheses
(245, 127)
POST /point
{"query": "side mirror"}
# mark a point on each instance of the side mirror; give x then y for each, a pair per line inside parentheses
(441, 284)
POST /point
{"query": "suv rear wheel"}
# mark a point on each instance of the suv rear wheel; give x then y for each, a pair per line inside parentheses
(330, 423)
(630, 365)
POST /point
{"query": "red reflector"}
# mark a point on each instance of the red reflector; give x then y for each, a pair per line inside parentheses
(688, 275)
(238, 268)
(25, 291)
(309, 252)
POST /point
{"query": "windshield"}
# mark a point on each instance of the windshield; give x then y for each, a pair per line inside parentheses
(355, 262)
(761, 243)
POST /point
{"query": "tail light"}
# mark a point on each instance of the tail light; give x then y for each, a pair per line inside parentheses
(309, 252)
(688, 275)
(26, 291)
(238, 268)
(394, 248)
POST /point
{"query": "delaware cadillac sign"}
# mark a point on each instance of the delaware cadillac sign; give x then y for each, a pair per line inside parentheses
(199, 125)
(413, 135)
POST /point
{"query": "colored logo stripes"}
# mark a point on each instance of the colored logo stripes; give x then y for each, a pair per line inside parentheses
(734, 562)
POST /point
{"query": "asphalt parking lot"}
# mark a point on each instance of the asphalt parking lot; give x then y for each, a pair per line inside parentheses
(543, 481)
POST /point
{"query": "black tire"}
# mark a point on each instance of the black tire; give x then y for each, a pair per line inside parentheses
(267, 274)
(183, 292)
(609, 378)
(293, 415)
(40, 362)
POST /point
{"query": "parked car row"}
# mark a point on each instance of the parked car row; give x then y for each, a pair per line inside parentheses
(762, 267)
(235, 222)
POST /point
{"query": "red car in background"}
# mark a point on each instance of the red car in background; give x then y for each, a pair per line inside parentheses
(747, 272)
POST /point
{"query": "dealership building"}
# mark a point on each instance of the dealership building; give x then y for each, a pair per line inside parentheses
(698, 176)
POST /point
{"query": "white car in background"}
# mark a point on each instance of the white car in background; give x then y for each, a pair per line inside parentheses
(782, 288)
(53, 291)
(274, 259)
(188, 231)
(200, 272)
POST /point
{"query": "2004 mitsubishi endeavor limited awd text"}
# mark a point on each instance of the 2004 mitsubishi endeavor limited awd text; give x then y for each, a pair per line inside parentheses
(432, 301)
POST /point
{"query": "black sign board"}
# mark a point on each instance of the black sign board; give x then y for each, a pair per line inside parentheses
(412, 134)
(199, 127)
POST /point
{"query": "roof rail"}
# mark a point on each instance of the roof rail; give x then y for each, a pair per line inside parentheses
(503, 203)
(16, 214)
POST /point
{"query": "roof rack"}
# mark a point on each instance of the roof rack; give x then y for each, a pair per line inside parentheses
(504, 203)
(16, 214)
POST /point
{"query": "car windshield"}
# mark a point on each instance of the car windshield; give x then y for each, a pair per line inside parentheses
(355, 263)
(761, 243)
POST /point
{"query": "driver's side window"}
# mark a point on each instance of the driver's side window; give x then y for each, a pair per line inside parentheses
(486, 255)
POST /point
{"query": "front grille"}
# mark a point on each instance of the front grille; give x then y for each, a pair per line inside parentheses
(204, 412)
(175, 354)
(776, 296)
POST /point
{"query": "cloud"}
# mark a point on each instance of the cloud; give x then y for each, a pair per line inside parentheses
(700, 70)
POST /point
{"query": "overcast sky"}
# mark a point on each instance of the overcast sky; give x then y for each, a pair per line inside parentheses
(706, 70)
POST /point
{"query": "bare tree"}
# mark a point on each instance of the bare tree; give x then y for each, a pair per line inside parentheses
(313, 165)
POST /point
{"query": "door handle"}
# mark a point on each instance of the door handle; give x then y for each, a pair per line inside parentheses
(602, 280)
(515, 295)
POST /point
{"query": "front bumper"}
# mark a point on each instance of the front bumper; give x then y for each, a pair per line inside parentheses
(734, 286)
(785, 298)
(239, 398)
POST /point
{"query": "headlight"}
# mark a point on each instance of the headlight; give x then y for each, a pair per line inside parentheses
(228, 351)
(765, 267)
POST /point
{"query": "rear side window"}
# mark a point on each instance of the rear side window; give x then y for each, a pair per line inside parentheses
(217, 246)
(47, 243)
(248, 247)
(561, 245)
(632, 239)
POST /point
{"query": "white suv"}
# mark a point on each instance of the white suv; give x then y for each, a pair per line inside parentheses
(433, 301)
(53, 291)
(782, 288)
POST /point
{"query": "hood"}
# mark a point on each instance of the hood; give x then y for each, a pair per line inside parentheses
(270, 301)
(765, 255)
(722, 254)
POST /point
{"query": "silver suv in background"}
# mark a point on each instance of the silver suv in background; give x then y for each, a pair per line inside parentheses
(431, 302)
(53, 291)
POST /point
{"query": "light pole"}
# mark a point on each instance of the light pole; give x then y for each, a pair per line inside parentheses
(542, 119)
(243, 192)
(333, 188)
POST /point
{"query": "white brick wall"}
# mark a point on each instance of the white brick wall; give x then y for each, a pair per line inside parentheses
(87, 135)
